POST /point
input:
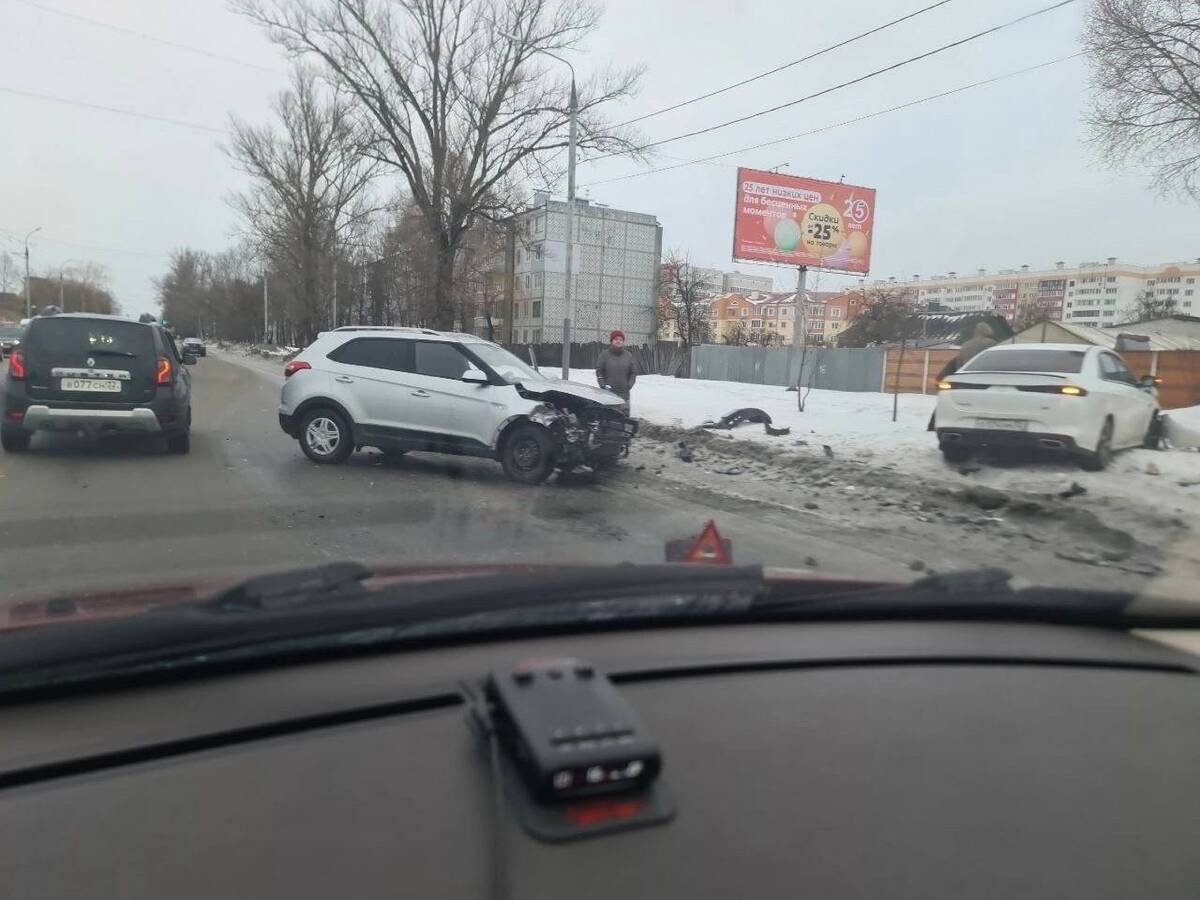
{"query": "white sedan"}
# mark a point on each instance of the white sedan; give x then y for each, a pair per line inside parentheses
(1069, 397)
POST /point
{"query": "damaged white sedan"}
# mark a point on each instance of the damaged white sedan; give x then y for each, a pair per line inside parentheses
(406, 389)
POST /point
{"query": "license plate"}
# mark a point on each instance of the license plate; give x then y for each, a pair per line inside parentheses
(1003, 424)
(95, 385)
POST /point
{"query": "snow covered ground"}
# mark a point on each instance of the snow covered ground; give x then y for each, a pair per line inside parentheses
(859, 426)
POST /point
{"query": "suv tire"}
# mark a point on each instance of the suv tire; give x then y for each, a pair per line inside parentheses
(325, 436)
(14, 441)
(528, 454)
(180, 442)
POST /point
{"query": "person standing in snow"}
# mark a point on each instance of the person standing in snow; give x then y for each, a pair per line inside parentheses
(616, 368)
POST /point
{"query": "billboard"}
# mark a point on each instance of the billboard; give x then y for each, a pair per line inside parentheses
(794, 221)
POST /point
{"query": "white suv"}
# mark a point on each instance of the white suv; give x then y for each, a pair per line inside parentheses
(401, 389)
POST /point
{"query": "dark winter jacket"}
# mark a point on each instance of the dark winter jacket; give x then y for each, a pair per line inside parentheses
(616, 369)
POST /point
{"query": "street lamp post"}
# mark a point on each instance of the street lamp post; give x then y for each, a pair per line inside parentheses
(28, 283)
(572, 140)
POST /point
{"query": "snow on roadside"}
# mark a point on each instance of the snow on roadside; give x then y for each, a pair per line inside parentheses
(859, 426)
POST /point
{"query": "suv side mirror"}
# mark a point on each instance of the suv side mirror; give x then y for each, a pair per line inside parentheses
(1148, 381)
(474, 376)
(189, 359)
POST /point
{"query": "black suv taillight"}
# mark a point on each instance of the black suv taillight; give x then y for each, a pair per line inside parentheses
(16, 366)
(165, 371)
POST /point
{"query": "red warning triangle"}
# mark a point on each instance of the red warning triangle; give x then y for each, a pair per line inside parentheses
(710, 548)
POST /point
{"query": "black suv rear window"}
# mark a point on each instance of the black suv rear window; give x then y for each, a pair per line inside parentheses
(1026, 359)
(72, 337)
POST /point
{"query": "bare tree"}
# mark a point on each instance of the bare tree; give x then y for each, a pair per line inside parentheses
(1150, 307)
(1145, 59)
(10, 273)
(308, 182)
(734, 333)
(687, 296)
(458, 96)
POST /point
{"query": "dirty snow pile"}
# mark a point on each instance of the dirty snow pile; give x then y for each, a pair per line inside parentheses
(859, 426)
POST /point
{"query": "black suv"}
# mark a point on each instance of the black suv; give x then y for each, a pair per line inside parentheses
(103, 374)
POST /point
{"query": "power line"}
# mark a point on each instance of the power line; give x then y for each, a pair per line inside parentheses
(862, 118)
(112, 109)
(795, 62)
(129, 32)
(837, 87)
(50, 240)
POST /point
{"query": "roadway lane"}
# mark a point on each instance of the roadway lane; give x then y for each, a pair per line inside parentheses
(79, 513)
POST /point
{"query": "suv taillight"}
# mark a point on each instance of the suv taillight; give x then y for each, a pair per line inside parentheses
(165, 369)
(16, 366)
(296, 365)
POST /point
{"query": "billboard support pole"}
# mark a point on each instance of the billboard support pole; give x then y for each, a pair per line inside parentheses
(802, 323)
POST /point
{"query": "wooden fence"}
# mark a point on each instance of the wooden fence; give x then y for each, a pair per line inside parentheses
(1179, 370)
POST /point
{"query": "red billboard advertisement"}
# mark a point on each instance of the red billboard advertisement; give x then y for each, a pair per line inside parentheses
(803, 222)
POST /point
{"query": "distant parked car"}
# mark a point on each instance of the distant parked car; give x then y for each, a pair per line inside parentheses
(10, 338)
(194, 345)
(1069, 397)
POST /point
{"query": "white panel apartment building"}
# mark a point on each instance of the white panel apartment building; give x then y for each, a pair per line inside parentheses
(616, 269)
(1092, 293)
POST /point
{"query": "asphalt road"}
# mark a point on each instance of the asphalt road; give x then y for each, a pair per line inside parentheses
(78, 514)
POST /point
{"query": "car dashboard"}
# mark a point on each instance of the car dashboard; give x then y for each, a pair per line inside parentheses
(864, 759)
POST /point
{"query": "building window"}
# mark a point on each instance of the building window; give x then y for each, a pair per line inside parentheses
(745, 312)
(770, 313)
(835, 312)
(756, 323)
(1111, 278)
(537, 309)
(539, 225)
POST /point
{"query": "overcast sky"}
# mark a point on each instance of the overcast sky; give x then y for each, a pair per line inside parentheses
(994, 177)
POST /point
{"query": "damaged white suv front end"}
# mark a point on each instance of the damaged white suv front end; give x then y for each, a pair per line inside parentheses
(413, 389)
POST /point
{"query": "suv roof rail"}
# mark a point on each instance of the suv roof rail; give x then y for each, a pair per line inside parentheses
(430, 331)
(376, 328)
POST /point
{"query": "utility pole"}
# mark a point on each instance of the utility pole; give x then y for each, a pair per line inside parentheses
(568, 296)
(28, 282)
(266, 320)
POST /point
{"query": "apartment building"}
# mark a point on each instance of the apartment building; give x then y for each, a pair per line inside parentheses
(721, 282)
(775, 319)
(1091, 293)
(615, 265)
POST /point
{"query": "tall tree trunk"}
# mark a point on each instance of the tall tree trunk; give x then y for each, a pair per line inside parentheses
(443, 290)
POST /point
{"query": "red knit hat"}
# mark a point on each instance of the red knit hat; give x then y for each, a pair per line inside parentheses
(613, 335)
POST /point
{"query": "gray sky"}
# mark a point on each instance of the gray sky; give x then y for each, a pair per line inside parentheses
(995, 177)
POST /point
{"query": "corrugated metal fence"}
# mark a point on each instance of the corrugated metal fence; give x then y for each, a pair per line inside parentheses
(915, 371)
(828, 369)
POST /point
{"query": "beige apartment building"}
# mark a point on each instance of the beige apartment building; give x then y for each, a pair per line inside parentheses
(1091, 293)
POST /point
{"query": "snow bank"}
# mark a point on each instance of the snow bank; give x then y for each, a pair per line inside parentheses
(1183, 427)
(859, 426)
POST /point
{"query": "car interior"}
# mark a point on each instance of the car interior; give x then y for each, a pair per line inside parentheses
(866, 758)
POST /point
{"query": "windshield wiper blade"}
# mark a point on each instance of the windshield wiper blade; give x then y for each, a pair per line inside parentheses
(329, 607)
(105, 351)
(982, 595)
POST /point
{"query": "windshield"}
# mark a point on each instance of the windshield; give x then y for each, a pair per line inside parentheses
(505, 364)
(1023, 359)
(877, 290)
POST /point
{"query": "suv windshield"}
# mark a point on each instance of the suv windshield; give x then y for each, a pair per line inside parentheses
(1026, 359)
(505, 364)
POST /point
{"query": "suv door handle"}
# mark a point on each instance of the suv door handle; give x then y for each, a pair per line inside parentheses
(420, 393)
(344, 379)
